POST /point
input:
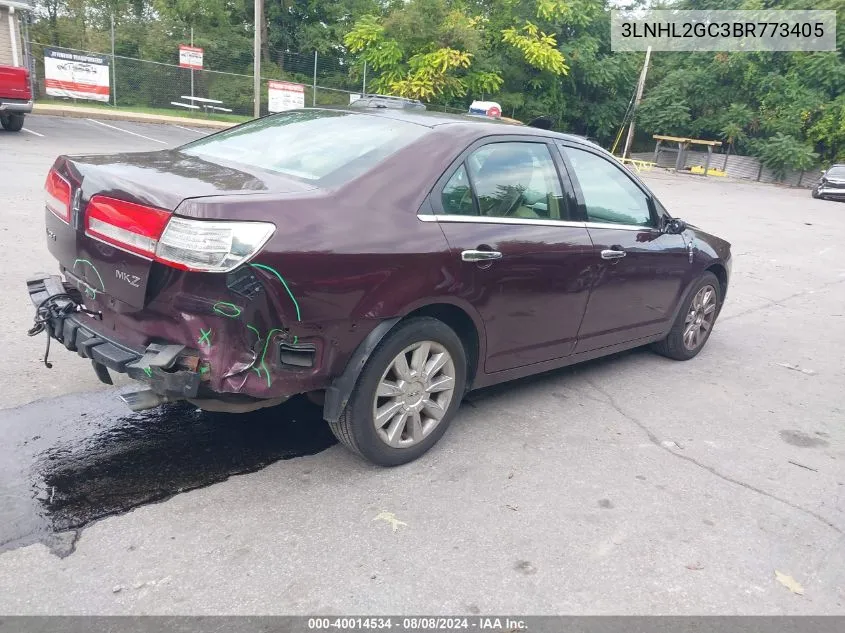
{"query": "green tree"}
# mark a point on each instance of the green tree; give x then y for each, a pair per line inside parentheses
(782, 152)
(427, 48)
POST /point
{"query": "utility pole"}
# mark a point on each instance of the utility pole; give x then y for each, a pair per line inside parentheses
(314, 86)
(113, 65)
(192, 69)
(637, 100)
(256, 79)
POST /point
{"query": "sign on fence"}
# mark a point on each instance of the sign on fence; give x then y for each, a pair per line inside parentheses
(75, 75)
(284, 95)
(190, 57)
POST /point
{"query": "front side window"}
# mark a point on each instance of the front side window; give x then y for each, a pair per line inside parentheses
(509, 180)
(609, 195)
(311, 145)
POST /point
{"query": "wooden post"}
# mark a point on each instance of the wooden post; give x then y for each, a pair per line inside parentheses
(639, 97)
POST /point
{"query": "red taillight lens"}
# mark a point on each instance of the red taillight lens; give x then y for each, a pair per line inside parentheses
(57, 191)
(133, 227)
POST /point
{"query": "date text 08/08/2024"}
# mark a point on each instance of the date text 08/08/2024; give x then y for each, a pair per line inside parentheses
(420, 623)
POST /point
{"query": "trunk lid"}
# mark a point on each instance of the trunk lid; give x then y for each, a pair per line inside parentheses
(114, 277)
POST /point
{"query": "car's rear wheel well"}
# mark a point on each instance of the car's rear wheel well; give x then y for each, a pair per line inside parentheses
(463, 326)
(722, 276)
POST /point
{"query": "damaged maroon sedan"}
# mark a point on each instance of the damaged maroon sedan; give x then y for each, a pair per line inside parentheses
(383, 261)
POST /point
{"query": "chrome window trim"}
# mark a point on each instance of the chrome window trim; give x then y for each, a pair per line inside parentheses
(622, 227)
(477, 219)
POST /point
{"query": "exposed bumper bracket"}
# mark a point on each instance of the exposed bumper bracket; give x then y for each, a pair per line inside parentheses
(156, 365)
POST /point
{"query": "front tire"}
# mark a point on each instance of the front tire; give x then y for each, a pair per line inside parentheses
(406, 395)
(695, 320)
(815, 192)
(12, 122)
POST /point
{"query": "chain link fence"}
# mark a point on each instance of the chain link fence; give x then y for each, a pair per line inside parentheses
(145, 84)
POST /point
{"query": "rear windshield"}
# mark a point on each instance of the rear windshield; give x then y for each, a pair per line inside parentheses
(837, 171)
(312, 145)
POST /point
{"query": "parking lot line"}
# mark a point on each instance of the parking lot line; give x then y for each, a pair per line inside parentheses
(127, 131)
(32, 132)
(188, 129)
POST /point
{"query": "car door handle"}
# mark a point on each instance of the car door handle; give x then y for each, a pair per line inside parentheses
(480, 256)
(612, 254)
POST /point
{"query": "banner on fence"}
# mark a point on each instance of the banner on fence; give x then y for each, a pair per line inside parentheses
(75, 75)
(284, 95)
(190, 57)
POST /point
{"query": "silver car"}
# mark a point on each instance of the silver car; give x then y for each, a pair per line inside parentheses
(831, 184)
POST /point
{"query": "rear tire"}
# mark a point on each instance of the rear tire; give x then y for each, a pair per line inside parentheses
(695, 321)
(425, 400)
(12, 122)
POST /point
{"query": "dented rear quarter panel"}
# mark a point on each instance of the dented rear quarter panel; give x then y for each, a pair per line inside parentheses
(340, 261)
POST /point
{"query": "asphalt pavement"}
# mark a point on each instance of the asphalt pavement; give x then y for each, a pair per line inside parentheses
(629, 485)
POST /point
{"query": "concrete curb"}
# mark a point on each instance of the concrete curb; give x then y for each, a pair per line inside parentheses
(118, 115)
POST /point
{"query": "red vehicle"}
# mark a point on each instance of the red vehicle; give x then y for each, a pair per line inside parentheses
(15, 90)
(15, 97)
(384, 260)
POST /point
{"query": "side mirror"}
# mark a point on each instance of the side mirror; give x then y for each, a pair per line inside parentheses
(674, 226)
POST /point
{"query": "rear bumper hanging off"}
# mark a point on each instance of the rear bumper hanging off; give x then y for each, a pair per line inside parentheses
(169, 370)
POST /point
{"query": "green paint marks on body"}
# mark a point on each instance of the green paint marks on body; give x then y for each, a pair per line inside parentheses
(262, 364)
(264, 354)
(275, 272)
(148, 371)
(205, 337)
(226, 309)
(90, 290)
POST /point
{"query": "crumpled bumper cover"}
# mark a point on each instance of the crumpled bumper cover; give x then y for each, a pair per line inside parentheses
(838, 192)
(168, 369)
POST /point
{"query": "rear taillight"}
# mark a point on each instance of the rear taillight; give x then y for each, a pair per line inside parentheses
(179, 242)
(57, 193)
(211, 246)
(132, 227)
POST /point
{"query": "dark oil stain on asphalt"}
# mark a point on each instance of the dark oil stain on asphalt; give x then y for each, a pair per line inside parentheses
(68, 461)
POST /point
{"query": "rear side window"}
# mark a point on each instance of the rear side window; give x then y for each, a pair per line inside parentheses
(510, 180)
(457, 195)
(311, 145)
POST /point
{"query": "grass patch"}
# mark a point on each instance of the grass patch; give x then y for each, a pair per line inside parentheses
(185, 114)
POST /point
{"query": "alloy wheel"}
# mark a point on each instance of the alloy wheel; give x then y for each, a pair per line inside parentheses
(699, 319)
(414, 394)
